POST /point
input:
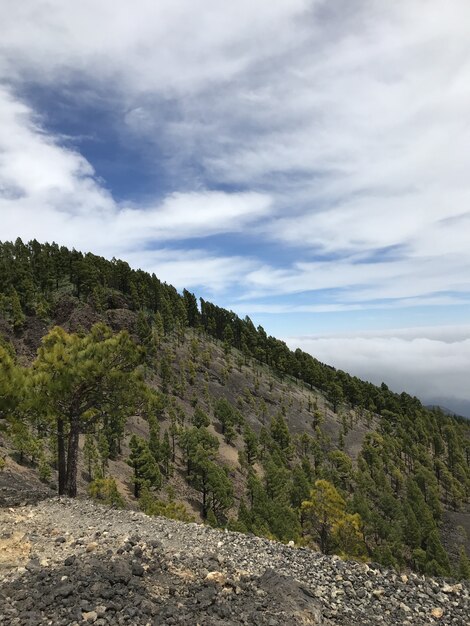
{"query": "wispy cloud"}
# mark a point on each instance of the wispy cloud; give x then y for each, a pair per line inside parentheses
(345, 132)
(405, 303)
(49, 192)
(193, 268)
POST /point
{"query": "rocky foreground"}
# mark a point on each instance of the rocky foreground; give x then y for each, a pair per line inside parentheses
(74, 562)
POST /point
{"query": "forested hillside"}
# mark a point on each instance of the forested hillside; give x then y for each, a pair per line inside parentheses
(112, 378)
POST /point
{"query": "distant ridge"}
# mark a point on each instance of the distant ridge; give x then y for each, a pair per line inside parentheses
(450, 406)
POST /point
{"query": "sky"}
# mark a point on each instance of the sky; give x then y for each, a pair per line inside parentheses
(305, 163)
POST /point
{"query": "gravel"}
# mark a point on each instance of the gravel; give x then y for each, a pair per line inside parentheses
(74, 562)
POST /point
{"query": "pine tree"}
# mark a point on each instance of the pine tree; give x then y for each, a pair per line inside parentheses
(200, 418)
(146, 471)
(463, 571)
(227, 417)
(228, 339)
(166, 454)
(77, 383)
(90, 455)
(251, 445)
(12, 387)
(18, 316)
(322, 512)
(335, 395)
(437, 561)
(158, 330)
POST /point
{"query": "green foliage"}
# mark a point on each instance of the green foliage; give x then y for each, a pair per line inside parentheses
(146, 471)
(251, 445)
(463, 570)
(91, 457)
(78, 382)
(158, 330)
(26, 445)
(437, 561)
(280, 432)
(104, 450)
(326, 518)
(12, 382)
(267, 516)
(300, 486)
(229, 417)
(18, 317)
(173, 510)
(200, 418)
(44, 469)
(335, 395)
(105, 490)
(166, 454)
(212, 482)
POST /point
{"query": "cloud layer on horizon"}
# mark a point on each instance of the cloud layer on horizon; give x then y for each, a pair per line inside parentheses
(433, 362)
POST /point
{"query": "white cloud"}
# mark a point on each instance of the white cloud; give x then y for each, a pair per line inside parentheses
(192, 268)
(350, 124)
(364, 281)
(282, 309)
(427, 362)
(173, 46)
(195, 214)
(50, 192)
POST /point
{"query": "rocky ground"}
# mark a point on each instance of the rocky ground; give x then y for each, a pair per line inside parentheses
(74, 562)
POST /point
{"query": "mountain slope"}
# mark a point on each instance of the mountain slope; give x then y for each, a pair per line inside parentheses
(232, 424)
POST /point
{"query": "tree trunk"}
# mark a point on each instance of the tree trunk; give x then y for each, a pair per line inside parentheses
(72, 460)
(136, 484)
(324, 539)
(204, 500)
(61, 455)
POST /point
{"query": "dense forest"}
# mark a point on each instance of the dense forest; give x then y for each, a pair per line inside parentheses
(69, 403)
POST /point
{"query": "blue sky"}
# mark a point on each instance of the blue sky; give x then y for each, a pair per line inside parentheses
(302, 162)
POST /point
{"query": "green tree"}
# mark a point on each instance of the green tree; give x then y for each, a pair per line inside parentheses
(24, 442)
(200, 418)
(18, 316)
(322, 512)
(280, 432)
(90, 455)
(146, 471)
(158, 330)
(335, 395)
(166, 454)
(173, 510)
(76, 382)
(191, 439)
(251, 445)
(228, 339)
(437, 561)
(227, 416)
(105, 490)
(12, 385)
(463, 571)
(300, 487)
